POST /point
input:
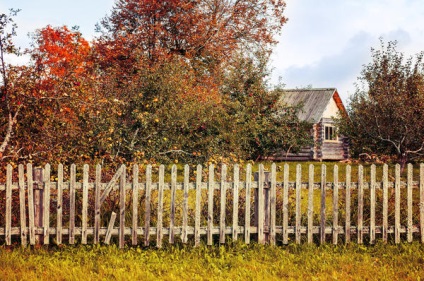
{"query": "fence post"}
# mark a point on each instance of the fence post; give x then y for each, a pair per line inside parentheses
(265, 212)
(37, 174)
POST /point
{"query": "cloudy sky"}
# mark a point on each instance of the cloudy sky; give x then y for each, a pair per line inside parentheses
(324, 44)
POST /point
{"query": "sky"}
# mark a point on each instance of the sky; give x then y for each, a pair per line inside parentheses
(324, 44)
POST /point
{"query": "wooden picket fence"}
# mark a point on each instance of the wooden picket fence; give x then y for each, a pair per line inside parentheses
(36, 210)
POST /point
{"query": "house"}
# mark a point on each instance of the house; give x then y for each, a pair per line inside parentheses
(319, 106)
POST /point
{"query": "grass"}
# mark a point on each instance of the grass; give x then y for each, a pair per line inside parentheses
(230, 262)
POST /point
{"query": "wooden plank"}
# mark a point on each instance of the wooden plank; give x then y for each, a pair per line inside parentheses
(111, 183)
(261, 205)
(236, 186)
(122, 195)
(409, 203)
(173, 198)
(135, 187)
(8, 221)
(348, 203)
(372, 205)
(22, 205)
(110, 228)
(335, 204)
(46, 205)
(211, 185)
(84, 203)
(159, 228)
(298, 202)
(286, 204)
(31, 215)
(184, 237)
(147, 205)
(397, 203)
(97, 204)
(322, 209)
(38, 203)
(198, 205)
(310, 203)
(59, 208)
(247, 208)
(385, 227)
(273, 205)
(223, 204)
(422, 202)
(72, 205)
(360, 228)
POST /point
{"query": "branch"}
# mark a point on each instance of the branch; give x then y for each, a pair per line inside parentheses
(9, 131)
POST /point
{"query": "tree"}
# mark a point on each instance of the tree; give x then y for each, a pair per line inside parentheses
(386, 115)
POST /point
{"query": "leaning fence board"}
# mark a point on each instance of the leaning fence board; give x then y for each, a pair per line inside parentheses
(222, 204)
(409, 203)
(198, 205)
(8, 228)
(286, 204)
(360, 228)
(159, 235)
(235, 201)
(72, 205)
(59, 207)
(184, 234)
(335, 204)
(397, 203)
(173, 198)
(110, 228)
(147, 206)
(298, 200)
(135, 187)
(348, 203)
(323, 207)
(310, 203)
(211, 184)
(372, 205)
(22, 211)
(247, 208)
(31, 215)
(111, 183)
(122, 194)
(385, 226)
(84, 204)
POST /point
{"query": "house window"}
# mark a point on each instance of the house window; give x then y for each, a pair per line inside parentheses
(330, 133)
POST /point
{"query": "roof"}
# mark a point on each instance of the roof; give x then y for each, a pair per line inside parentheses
(314, 102)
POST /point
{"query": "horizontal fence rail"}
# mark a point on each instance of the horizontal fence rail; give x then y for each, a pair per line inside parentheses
(211, 204)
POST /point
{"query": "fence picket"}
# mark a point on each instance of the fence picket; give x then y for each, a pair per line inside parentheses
(59, 220)
(273, 203)
(184, 237)
(8, 227)
(323, 207)
(97, 204)
(385, 226)
(310, 203)
(422, 202)
(84, 204)
(198, 205)
(222, 204)
(372, 205)
(235, 201)
(22, 211)
(409, 203)
(397, 203)
(135, 187)
(173, 198)
(31, 218)
(160, 206)
(211, 186)
(298, 202)
(247, 208)
(286, 204)
(360, 227)
(147, 205)
(110, 228)
(122, 194)
(348, 203)
(259, 213)
(46, 204)
(335, 204)
(72, 205)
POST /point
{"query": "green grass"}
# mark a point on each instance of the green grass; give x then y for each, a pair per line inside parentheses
(230, 262)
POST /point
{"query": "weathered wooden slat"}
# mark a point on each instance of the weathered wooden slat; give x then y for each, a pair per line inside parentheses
(184, 237)
(8, 226)
(84, 203)
(335, 204)
(159, 228)
(260, 205)
(310, 203)
(72, 205)
(135, 187)
(323, 207)
(372, 205)
(397, 203)
(97, 204)
(198, 205)
(22, 211)
(147, 205)
(111, 183)
(122, 195)
(348, 203)
(286, 204)
(110, 228)
(59, 207)
(211, 184)
(173, 198)
(223, 202)
(409, 202)
(298, 202)
(385, 179)
(360, 204)
(31, 218)
(273, 204)
(247, 207)
(46, 204)
(236, 185)
(422, 202)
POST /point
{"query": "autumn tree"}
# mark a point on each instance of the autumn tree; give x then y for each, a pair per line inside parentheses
(386, 115)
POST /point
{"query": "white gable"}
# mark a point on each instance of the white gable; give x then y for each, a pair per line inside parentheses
(331, 110)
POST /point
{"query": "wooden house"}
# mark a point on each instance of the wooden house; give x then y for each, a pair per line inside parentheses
(319, 106)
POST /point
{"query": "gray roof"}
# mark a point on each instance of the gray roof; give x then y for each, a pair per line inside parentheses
(314, 102)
